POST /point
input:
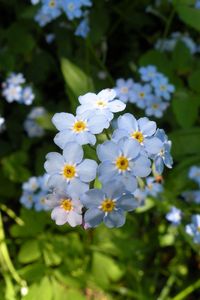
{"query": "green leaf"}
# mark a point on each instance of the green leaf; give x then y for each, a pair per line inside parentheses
(194, 81)
(51, 257)
(33, 272)
(189, 15)
(185, 142)
(185, 108)
(41, 291)
(108, 271)
(29, 252)
(182, 58)
(76, 79)
(13, 167)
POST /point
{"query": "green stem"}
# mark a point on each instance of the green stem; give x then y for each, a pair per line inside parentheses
(191, 288)
(11, 214)
(5, 259)
(166, 290)
(167, 26)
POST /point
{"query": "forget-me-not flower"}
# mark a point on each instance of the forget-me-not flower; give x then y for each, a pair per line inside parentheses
(142, 94)
(70, 169)
(121, 161)
(148, 73)
(162, 87)
(124, 89)
(80, 128)
(174, 215)
(193, 228)
(141, 130)
(156, 107)
(104, 103)
(108, 205)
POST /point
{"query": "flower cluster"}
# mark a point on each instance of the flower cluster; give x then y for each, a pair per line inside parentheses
(126, 156)
(73, 9)
(152, 95)
(31, 126)
(170, 43)
(15, 90)
(35, 192)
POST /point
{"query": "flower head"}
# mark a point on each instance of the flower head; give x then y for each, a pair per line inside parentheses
(174, 215)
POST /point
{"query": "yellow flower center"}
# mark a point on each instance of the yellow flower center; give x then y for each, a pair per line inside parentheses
(155, 106)
(163, 88)
(42, 200)
(141, 94)
(198, 228)
(101, 103)
(52, 3)
(79, 126)
(108, 205)
(138, 136)
(124, 90)
(66, 204)
(122, 163)
(69, 171)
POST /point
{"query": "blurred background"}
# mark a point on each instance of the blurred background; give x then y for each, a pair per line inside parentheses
(85, 48)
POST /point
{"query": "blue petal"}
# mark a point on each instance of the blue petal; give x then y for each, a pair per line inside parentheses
(159, 165)
(115, 218)
(113, 189)
(127, 203)
(93, 217)
(92, 198)
(77, 188)
(127, 122)
(97, 123)
(54, 162)
(84, 138)
(63, 137)
(153, 145)
(130, 147)
(141, 166)
(87, 170)
(73, 153)
(108, 151)
(119, 134)
(63, 121)
(147, 127)
(107, 171)
(129, 182)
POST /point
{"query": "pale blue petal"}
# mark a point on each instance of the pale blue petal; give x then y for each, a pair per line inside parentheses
(56, 181)
(148, 128)
(107, 94)
(92, 198)
(87, 170)
(97, 123)
(107, 151)
(93, 217)
(115, 218)
(85, 137)
(107, 171)
(141, 166)
(159, 165)
(127, 122)
(59, 215)
(54, 162)
(113, 189)
(153, 145)
(76, 187)
(73, 153)
(130, 147)
(64, 137)
(127, 203)
(116, 106)
(129, 182)
(63, 121)
(118, 134)
(87, 98)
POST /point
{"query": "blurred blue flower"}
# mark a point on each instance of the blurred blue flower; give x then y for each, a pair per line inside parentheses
(174, 215)
(162, 87)
(153, 188)
(194, 174)
(27, 96)
(193, 228)
(121, 161)
(81, 128)
(70, 169)
(124, 89)
(31, 126)
(108, 205)
(142, 94)
(72, 8)
(148, 73)
(83, 28)
(156, 107)
(51, 8)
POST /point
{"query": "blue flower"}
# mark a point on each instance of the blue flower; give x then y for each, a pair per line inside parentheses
(148, 73)
(27, 199)
(51, 8)
(70, 169)
(83, 28)
(81, 128)
(108, 205)
(12, 92)
(40, 201)
(156, 107)
(153, 188)
(163, 157)
(194, 174)
(104, 103)
(27, 96)
(42, 19)
(142, 94)
(142, 131)
(162, 87)
(124, 89)
(66, 206)
(31, 185)
(31, 126)
(193, 228)
(121, 161)
(15, 79)
(174, 215)
(72, 8)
